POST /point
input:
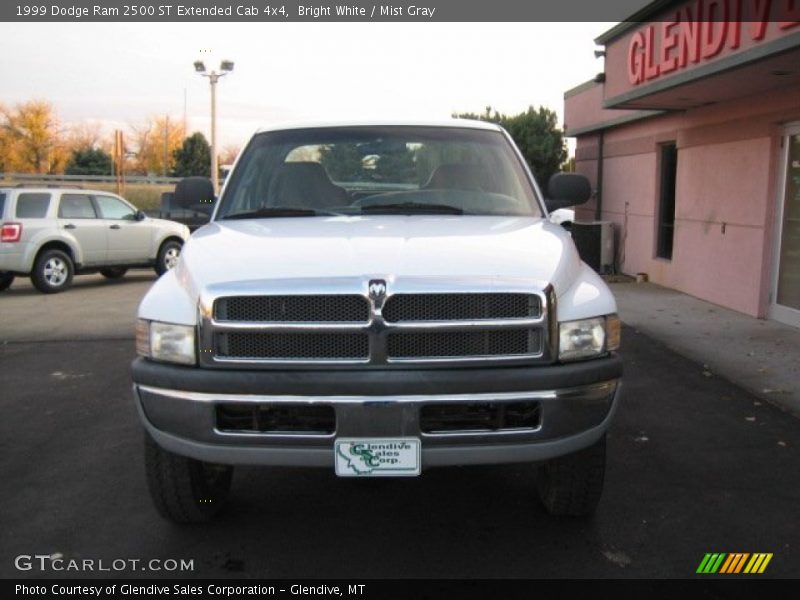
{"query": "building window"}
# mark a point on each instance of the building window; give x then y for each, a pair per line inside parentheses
(666, 201)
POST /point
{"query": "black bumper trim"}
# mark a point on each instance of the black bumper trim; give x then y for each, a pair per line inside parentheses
(369, 382)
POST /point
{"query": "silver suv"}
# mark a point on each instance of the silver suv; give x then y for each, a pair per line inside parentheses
(52, 234)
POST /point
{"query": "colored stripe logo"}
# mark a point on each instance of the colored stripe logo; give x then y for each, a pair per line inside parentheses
(734, 563)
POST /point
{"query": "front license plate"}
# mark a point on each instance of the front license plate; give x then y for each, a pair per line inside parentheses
(369, 457)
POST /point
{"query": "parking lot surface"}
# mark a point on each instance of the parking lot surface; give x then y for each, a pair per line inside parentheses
(695, 465)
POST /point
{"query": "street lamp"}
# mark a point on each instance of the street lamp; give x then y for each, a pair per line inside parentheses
(225, 67)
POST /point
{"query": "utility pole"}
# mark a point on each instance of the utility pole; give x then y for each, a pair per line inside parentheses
(166, 144)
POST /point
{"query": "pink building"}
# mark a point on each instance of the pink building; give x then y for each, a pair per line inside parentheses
(691, 139)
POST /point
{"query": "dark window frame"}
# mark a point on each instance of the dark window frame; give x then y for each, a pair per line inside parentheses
(665, 207)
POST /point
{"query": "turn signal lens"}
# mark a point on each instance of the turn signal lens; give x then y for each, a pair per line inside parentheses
(613, 332)
(143, 338)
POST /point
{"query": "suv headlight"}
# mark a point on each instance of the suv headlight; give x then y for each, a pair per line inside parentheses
(166, 342)
(588, 338)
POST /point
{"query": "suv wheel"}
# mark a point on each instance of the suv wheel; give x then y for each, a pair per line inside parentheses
(185, 490)
(52, 272)
(6, 279)
(113, 272)
(571, 485)
(168, 256)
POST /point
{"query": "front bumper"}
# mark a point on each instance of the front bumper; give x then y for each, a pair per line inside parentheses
(576, 403)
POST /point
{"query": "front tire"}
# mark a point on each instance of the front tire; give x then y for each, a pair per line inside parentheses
(168, 256)
(6, 279)
(185, 490)
(113, 272)
(571, 485)
(52, 272)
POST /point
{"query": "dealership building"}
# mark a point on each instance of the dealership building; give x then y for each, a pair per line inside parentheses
(691, 139)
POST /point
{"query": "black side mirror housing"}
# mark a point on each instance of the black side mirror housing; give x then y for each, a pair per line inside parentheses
(195, 193)
(139, 215)
(567, 189)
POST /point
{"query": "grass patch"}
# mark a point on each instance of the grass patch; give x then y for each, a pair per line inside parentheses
(146, 196)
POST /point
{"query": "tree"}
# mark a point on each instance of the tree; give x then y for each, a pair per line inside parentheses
(229, 154)
(156, 141)
(396, 163)
(89, 161)
(32, 139)
(86, 134)
(342, 161)
(537, 134)
(193, 157)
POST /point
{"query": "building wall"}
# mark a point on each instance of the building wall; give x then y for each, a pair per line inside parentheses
(725, 195)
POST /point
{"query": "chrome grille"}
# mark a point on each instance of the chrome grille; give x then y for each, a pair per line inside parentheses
(340, 329)
(460, 307)
(319, 309)
(460, 344)
(293, 346)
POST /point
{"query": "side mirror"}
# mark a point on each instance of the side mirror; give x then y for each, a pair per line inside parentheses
(139, 215)
(567, 189)
(195, 193)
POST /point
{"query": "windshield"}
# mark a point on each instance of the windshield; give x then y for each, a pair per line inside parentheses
(378, 170)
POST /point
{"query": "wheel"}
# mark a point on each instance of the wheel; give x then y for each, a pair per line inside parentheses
(113, 272)
(168, 256)
(6, 279)
(185, 490)
(52, 272)
(571, 485)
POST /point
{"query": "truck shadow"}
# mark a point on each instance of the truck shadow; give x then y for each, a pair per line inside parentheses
(450, 522)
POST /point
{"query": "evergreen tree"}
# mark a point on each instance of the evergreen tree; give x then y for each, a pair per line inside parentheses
(193, 158)
(537, 134)
(88, 161)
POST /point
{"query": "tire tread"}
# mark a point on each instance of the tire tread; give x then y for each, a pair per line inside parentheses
(572, 485)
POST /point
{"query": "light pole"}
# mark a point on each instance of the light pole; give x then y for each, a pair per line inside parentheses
(225, 67)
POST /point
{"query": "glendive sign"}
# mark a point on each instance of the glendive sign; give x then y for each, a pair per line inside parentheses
(704, 30)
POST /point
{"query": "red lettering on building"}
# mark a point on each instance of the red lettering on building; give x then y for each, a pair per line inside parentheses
(651, 68)
(715, 26)
(791, 11)
(701, 30)
(636, 59)
(758, 29)
(689, 35)
(669, 41)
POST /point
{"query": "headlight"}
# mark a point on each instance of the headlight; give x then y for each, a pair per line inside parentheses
(588, 338)
(165, 341)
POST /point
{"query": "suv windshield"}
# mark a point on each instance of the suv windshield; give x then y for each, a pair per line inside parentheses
(378, 170)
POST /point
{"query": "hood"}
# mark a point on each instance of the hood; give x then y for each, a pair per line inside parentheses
(528, 251)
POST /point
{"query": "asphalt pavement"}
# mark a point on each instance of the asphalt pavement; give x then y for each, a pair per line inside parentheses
(695, 465)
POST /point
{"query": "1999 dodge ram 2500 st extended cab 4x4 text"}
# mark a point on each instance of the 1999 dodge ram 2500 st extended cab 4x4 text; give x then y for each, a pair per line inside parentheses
(377, 299)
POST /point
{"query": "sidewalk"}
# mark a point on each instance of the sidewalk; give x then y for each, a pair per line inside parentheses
(760, 356)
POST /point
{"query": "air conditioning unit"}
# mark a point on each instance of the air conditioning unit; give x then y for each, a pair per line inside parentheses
(595, 242)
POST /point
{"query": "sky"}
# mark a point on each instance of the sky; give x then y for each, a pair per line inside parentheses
(120, 74)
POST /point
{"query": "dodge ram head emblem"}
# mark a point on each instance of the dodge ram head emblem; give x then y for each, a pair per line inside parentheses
(377, 292)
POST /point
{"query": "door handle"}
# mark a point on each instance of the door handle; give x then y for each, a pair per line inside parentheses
(114, 227)
(69, 226)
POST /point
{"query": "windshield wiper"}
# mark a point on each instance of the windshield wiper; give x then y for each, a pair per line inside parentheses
(279, 211)
(413, 207)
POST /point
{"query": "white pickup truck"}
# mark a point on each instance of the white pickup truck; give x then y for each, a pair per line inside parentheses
(377, 299)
